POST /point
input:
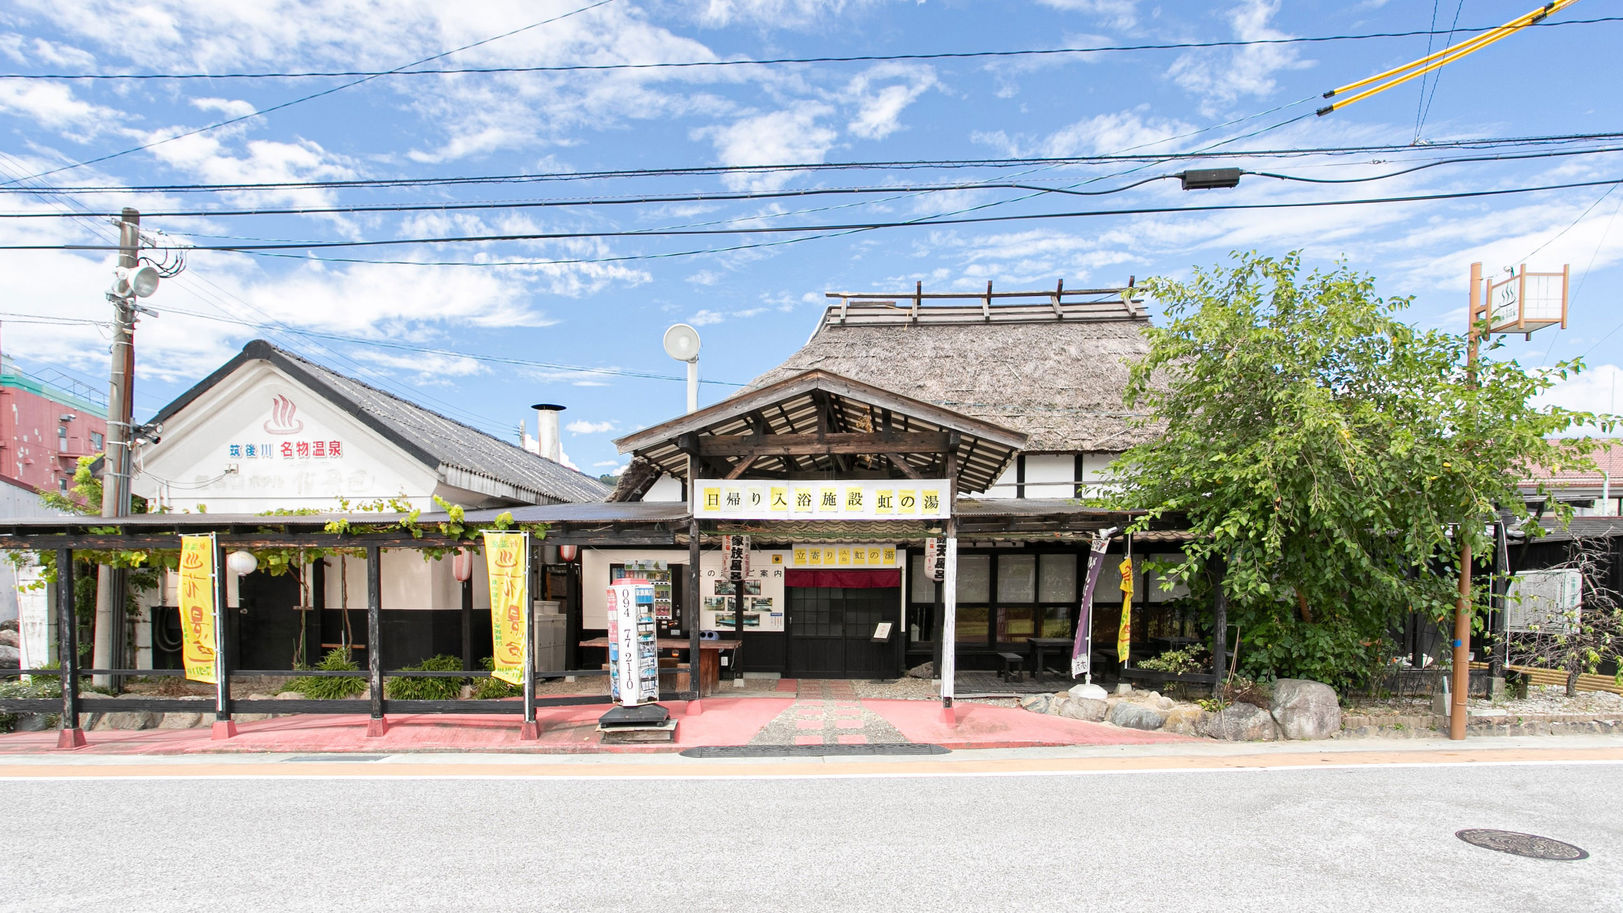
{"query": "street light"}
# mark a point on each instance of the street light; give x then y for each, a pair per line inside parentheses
(682, 344)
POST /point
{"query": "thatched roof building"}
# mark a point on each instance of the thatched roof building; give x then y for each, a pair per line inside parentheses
(1054, 370)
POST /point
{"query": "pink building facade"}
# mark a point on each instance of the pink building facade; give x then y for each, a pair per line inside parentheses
(44, 430)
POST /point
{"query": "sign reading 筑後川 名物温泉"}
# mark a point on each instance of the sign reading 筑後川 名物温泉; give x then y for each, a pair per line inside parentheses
(866, 499)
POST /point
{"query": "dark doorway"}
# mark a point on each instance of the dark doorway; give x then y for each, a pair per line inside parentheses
(831, 631)
(268, 622)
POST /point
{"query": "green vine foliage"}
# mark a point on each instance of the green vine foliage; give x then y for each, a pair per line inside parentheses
(1330, 455)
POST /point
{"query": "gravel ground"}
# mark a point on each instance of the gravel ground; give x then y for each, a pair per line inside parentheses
(1541, 699)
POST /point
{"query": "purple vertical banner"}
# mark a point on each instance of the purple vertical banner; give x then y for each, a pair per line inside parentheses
(1081, 650)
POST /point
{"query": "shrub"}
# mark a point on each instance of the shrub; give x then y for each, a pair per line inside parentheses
(40, 688)
(335, 687)
(427, 689)
(492, 688)
(1193, 658)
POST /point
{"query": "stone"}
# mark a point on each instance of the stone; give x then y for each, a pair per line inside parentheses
(1091, 692)
(35, 722)
(922, 670)
(291, 696)
(1133, 715)
(251, 717)
(1305, 709)
(10, 624)
(1085, 709)
(10, 657)
(1058, 702)
(1123, 689)
(180, 720)
(128, 719)
(1240, 722)
(1184, 719)
(1037, 703)
(10, 638)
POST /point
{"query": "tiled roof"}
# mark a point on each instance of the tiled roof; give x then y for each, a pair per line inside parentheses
(1608, 458)
(449, 446)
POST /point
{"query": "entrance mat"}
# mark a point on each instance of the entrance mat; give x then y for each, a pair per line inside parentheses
(812, 751)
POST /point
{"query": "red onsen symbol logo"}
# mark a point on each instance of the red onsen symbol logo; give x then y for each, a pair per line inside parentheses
(282, 420)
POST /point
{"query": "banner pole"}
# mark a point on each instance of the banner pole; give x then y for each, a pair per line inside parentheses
(529, 731)
(224, 727)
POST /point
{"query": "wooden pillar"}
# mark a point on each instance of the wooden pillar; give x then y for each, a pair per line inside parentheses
(467, 624)
(67, 647)
(376, 725)
(1220, 624)
(690, 612)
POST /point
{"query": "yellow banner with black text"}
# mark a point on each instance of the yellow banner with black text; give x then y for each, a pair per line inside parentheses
(197, 591)
(507, 558)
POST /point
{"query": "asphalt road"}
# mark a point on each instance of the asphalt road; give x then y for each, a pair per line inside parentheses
(1302, 838)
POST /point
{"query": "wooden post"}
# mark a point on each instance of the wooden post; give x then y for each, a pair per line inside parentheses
(529, 731)
(1220, 626)
(467, 622)
(223, 727)
(690, 612)
(67, 652)
(1462, 609)
(376, 725)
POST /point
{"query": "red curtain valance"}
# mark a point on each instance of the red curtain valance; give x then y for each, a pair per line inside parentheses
(844, 579)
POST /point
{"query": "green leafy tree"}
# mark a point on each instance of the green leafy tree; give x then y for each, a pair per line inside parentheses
(1327, 456)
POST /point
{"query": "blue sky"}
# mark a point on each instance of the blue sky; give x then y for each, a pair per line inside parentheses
(480, 330)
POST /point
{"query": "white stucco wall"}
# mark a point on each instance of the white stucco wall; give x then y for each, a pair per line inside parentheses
(202, 460)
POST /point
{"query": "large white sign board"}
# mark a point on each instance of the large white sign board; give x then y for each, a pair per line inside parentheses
(1544, 602)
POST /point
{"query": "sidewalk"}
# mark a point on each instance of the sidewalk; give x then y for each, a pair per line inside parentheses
(801, 714)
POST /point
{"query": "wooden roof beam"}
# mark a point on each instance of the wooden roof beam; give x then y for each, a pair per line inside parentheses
(838, 443)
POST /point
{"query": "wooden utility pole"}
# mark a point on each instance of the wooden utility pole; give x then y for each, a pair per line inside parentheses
(108, 650)
(1461, 673)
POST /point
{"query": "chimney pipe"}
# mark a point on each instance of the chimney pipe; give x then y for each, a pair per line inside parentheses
(546, 430)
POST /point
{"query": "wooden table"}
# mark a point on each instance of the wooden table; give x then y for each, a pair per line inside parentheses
(709, 656)
(1040, 648)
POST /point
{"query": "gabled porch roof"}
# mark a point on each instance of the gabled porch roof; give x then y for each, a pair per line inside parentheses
(817, 424)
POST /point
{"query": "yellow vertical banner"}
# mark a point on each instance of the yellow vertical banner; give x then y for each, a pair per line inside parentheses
(1124, 637)
(197, 608)
(507, 558)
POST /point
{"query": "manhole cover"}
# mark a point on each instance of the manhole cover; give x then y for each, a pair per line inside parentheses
(1530, 845)
(803, 751)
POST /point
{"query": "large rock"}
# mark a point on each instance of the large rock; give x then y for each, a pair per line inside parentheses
(128, 719)
(1091, 692)
(180, 720)
(1306, 709)
(10, 657)
(1083, 708)
(1184, 719)
(10, 638)
(1037, 703)
(1133, 715)
(1240, 722)
(922, 670)
(35, 722)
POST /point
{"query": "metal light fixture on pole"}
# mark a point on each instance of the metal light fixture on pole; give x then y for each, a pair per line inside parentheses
(682, 344)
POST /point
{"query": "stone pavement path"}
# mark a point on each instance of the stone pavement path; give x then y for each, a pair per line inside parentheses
(827, 713)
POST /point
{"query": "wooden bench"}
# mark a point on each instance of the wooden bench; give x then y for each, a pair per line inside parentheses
(1014, 665)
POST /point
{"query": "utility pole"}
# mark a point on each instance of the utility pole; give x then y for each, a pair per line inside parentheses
(108, 651)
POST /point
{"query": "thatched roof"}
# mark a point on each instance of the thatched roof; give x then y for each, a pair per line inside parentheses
(1055, 371)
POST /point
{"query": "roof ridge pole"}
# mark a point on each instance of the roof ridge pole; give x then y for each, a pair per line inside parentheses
(918, 298)
(1059, 293)
(986, 303)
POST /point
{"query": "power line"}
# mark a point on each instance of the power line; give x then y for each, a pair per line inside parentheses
(310, 97)
(930, 221)
(777, 61)
(897, 165)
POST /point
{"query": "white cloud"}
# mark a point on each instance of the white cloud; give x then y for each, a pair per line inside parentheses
(1598, 390)
(790, 136)
(54, 106)
(230, 107)
(616, 466)
(422, 366)
(581, 426)
(705, 318)
(775, 13)
(881, 95)
(1219, 77)
(1119, 13)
